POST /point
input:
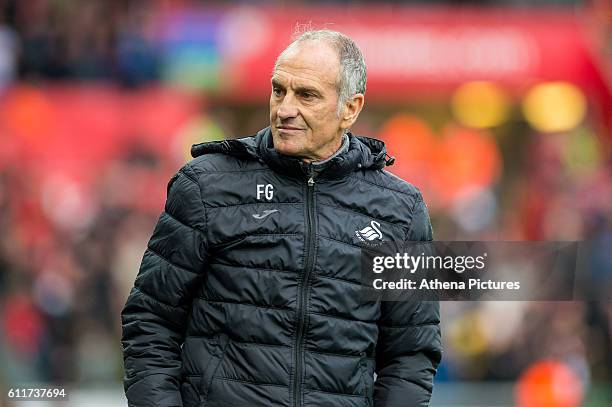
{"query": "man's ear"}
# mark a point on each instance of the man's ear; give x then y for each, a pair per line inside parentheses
(351, 110)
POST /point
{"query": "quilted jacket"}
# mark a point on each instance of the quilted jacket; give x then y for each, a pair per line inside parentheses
(248, 291)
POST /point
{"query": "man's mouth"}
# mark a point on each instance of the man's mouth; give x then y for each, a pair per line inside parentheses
(288, 128)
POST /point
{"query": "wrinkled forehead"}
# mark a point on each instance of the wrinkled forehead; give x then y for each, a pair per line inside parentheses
(314, 59)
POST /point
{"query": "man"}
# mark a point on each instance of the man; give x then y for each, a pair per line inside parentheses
(248, 292)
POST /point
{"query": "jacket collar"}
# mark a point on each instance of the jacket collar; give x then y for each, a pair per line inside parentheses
(363, 153)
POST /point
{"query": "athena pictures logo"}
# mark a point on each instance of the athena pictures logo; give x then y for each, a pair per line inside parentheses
(370, 233)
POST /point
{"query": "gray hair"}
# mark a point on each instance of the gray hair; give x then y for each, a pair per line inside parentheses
(352, 75)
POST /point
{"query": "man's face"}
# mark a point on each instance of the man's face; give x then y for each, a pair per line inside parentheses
(304, 101)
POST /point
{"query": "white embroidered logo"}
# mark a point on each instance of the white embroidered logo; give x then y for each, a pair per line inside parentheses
(264, 213)
(370, 232)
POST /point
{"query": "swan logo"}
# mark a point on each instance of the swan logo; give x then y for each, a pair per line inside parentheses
(370, 233)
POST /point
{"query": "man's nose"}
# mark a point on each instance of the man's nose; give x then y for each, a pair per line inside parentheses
(288, 108)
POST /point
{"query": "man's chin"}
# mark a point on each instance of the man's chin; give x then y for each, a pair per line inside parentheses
(287, 147)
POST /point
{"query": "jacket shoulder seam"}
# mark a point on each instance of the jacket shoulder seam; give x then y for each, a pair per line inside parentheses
(383, 186)
(185, 173)
(418, 200)
(195, 181)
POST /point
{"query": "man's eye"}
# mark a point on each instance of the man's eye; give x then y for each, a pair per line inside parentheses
(277, 91)
(308, 95)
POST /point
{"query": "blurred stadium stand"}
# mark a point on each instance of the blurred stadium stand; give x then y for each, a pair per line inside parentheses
(500, 111)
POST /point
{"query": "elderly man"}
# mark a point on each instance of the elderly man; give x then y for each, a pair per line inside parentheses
(248, 292)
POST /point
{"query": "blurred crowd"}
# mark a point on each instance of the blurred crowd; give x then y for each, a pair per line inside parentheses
(63, 282)
(93, 40)
(69, 253)
(113, 39)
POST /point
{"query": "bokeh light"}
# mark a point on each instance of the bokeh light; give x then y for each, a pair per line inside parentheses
(549, 383)
(411, 141)
(582, 153)
(28, 113)
(446, 166)
(465, 159)
(554, 107)
(480, 104)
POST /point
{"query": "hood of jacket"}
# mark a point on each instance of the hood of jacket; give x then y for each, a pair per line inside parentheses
(363, 153)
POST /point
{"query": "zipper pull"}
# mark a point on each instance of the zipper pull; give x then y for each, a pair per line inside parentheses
(311, 181)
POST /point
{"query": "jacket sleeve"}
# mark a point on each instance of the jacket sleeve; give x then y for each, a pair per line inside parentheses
(155, 314)
(409, 347)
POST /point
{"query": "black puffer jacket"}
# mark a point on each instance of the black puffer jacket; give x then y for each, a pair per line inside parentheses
(248, 295)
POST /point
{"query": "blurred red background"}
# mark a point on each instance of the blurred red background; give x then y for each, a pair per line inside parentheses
(500, 114)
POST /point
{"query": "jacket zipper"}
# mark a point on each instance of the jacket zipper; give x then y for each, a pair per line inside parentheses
(303, 291)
